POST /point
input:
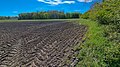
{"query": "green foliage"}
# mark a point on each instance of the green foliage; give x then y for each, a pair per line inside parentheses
(85, 15)
(92, 51)
(107, 13)
(48, 15)
(110, 13)
(7, 18)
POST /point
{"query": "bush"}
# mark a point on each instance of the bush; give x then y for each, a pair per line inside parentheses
(108, 14)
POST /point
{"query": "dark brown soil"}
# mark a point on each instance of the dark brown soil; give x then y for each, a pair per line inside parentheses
(38, 44)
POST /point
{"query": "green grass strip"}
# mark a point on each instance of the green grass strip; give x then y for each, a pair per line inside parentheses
(91, 52)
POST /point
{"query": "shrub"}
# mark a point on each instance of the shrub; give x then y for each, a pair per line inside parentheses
(108, 14)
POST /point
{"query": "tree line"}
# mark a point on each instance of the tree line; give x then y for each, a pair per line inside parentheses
(48, 15)
(8, 17)
(53, 14)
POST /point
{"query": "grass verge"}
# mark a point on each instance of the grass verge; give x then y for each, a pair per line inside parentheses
(92, 50)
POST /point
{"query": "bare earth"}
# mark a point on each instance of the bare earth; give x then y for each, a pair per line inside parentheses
(38, 44)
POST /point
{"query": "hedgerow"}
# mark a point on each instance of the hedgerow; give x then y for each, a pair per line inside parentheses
(107, 14)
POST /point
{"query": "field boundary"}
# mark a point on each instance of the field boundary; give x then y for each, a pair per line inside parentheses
(41, 20)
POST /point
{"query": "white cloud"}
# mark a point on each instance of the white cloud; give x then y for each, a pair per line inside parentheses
(85, 0)
(56, 2)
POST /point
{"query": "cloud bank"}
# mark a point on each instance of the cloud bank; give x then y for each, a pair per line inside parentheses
(85, 0)
(57, 2)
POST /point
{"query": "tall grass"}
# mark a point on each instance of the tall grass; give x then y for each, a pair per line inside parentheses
(92, 51)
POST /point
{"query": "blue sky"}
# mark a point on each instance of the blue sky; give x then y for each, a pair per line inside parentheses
(14, 7)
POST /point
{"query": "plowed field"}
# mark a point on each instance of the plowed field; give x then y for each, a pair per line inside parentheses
(38, 44)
